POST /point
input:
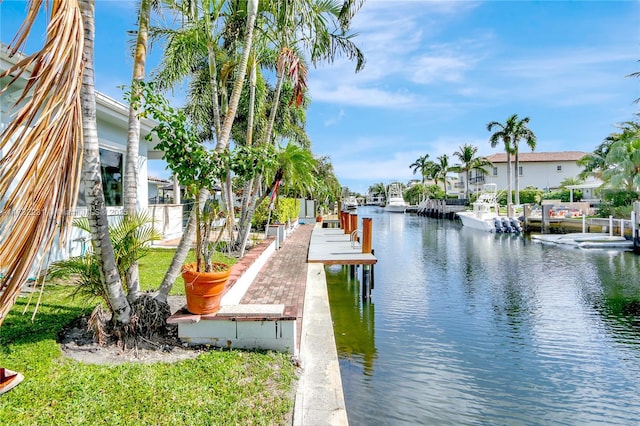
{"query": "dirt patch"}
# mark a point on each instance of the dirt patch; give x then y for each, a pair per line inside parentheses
(77, 342)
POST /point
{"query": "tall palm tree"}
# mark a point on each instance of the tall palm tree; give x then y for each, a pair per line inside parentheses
(440, 170)
(467, 156)
(222, 142)
(504, 134)
(295, 27)
(420, 165)
(130, 189)
(92, 179)
(521, 132)
(41, 173)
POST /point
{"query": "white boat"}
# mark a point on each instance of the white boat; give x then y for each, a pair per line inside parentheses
(586, 240)
(395, 201)
(349, 203)
(485, 214)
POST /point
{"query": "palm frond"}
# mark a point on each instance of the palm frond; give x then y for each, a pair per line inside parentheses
(40, 173)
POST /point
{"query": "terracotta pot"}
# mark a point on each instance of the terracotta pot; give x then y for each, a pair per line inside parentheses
(204, 289)
(319, 219)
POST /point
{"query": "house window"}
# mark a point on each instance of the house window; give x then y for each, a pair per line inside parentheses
(495, 171)
(111, 170)
(519, 170)
(559, 168)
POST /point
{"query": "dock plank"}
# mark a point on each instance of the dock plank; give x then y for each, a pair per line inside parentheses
(332, 246)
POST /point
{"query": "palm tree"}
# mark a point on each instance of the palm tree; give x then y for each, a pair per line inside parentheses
(222, 142)
(439, 171)
(467, 156)
(130, 189)
(504, 134)
(623, 159)
(521, 132)
(421, 165)
(295, 27)
(46, 160)
(92, 179)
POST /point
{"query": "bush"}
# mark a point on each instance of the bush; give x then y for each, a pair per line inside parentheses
(563, 195)
(619, 198)
(285, 209)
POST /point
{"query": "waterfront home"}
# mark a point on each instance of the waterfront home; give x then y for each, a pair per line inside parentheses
(112, 121)
(543, 170)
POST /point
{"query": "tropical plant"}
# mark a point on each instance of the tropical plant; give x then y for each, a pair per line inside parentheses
(510, 133)
(623, 159)
(521, 132)
(222, 128)
(130, 237)
(130, 179)
(440, 171)
(421, 165)
(467, 156)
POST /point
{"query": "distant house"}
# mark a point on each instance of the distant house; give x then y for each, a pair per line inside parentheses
(542, 170)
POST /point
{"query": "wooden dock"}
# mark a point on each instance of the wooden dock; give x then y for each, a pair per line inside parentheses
(331, 246)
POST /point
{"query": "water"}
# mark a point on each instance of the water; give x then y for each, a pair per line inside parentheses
(467, 327)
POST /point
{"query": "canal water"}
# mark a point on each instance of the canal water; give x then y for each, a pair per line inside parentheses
(470, 328)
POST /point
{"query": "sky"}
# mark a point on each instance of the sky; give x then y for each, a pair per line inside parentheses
(436, 73)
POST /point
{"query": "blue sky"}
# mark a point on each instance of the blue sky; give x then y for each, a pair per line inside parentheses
(437, 73)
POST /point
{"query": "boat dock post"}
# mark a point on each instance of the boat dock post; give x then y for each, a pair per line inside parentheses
(335, 247)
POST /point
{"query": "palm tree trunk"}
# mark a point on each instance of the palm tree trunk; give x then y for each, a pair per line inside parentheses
(93, 181)
(223, 139)
(223, 134)
(133, 138)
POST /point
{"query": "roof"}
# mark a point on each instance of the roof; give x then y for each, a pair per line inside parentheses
(158, 180)
(534, 157)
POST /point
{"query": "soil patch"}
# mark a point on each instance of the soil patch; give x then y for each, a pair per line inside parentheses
(77, 342)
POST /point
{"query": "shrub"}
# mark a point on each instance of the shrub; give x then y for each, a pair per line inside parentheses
(285, 209)
(619, 198)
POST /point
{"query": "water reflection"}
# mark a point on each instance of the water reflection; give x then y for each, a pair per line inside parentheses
(477, 328)
(353, 321)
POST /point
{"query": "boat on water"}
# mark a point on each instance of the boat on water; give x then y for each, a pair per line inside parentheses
(485, 213)
(349, 203)
(395, 201)
(586, 240)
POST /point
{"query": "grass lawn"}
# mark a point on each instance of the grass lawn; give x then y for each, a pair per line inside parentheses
(217, 387)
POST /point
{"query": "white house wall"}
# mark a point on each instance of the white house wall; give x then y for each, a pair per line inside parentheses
(541, 175)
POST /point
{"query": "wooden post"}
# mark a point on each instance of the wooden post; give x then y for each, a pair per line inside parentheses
(345, 222)
(366, 235)
(353, 225)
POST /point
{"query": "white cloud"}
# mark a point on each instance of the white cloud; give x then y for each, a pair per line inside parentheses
(336, 119)
(343, 94)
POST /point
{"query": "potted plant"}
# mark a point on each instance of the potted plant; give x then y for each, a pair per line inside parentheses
(205, 280)
(198, 170)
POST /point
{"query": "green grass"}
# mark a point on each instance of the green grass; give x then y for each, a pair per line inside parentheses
(217, 387)
(154, 265)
